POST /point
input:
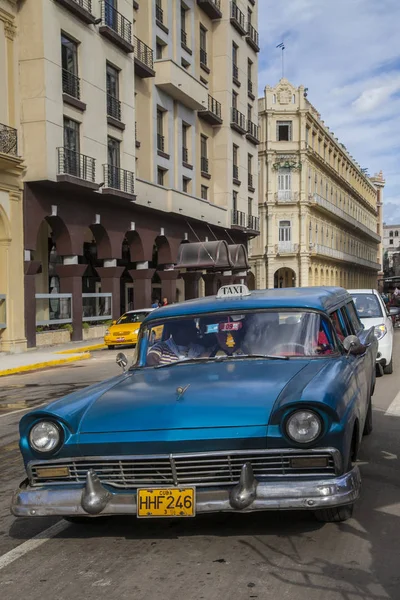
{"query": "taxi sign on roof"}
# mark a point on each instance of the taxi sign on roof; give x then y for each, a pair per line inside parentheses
(232, 291)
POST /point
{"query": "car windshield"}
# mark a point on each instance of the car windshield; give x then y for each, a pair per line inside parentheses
(271, 333)
(367, 305)
(132, 317)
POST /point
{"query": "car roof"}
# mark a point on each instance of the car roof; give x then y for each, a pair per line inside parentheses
(365, 291)
(317, 298)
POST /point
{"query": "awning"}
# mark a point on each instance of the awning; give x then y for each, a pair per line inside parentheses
(238, 256)
(205, 255)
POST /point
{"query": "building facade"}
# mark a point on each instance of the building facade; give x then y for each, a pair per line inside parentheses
(139, 133)
(12, 330)
(391, 250)
(319, 216)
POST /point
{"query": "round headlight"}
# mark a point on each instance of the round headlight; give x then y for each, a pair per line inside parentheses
(303, 426)
(44, 436)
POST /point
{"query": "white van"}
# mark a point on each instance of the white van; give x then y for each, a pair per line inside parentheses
(373, 313)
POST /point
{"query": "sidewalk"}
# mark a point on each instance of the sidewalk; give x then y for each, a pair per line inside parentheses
(53, 356)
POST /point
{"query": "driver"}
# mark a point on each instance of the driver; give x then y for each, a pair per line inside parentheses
(230, 336)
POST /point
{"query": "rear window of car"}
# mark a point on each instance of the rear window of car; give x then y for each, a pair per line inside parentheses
(367, 305)
(132, 318)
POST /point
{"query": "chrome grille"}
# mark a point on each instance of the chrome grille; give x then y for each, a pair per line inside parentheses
(207, 469)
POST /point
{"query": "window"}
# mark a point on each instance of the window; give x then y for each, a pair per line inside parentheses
(234, 201)
(284, 131)
(235, 69)
(113, 162)
(284, 184)
(203, 154)
(352, 315)
(160, 130)
(234, 99)
(69, 62)
(159, 50)
(249, 112)
(339, 325)
(249, 76)
(159, 11)
(185, 150)
(71, 147)
(112, 86)
(161, 176)
(390, 241)
(307, 135)
(183, 25)
(235, 160)
(396, 233)
(203, 46)
(250, 171)
(204, 192)
(249, 15)
(390, 233)
(250, 206)
(285, 231)
(185, 184)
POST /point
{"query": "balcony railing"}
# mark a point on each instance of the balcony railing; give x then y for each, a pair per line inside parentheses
(238, 121)
(117, 23)
(345, 256)
(76, 164)
(237, 18)
(143, 54)
(80, 8)
(204, 164)
(119, 179)
(160, 142)
(253, 223)
(339, 212)
(235, 172)
(113, 107)
(250, 180)
(235, 71)
(239, 218)
(203, 57)
(252, 37)
(185, 155)
(253, 132)
(159, 14)
(211, 7)
(96, 307)
(286, 196)
(286, 248)
(8, 140)
(53, 309)
(71, 84)
(212, 113)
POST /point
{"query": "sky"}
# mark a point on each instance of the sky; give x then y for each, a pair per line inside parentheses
(347, 53)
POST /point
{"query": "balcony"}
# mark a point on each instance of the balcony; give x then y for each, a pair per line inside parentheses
(238, 121)
(212, 114)
(115, 27)
(71, 87)
(212, 8)
(239, 219)
(204, 167)
(143, 59)
(181, 85)
(118, 182)
(235, 175)
(80, 8)
(253, 132)
(76, 170)
(114, 112)
(237, 19)
(326, 205)
(253, 223)
(344, 256)
(286, 197)
(286, 248)
(250, 182)
(250, 89)
(235, 74)
(252, 38)
(8, 140)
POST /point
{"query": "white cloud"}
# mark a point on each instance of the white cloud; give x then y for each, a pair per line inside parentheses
(347, 53)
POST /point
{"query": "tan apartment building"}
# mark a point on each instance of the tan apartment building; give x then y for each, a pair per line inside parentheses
(140, 134)
(319, 212)
(12, 329)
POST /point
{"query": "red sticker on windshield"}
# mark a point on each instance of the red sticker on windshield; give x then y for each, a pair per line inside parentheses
(230, 326)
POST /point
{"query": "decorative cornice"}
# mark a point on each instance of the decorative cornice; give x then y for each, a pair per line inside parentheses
(10, 30)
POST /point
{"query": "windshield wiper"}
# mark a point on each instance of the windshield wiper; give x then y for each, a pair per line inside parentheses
(188, 360)
(268, 356)
(220, 358)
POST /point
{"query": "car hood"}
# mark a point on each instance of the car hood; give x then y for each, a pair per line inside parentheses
(233, 393)
(372, 321)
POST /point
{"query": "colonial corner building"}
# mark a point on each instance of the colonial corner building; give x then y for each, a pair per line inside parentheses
(139, 133)
(320, 214)
(12, 329)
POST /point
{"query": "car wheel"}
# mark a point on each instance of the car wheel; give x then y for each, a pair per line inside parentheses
(388, 370)
(86, 520)
(368, 427)
(336, 514)
(111, 347)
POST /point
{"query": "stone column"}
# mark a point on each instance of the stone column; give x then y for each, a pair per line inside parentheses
(211, 283)
(142, 277)
(191, 279)
(111, 284)
(70, 274)
(31, 268)
(168, 284)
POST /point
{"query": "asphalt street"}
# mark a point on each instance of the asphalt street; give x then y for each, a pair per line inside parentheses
(265, 556)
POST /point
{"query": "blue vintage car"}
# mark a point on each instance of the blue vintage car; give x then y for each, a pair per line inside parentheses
(245, 401)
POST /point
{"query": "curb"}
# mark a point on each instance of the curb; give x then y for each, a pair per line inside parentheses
(44, 365)
(82, 349)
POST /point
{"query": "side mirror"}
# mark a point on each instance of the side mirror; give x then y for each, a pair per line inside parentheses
(352, 345)
(122, 361)
(394, 311)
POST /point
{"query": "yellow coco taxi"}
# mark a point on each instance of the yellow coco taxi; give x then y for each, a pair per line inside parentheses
(125, 331)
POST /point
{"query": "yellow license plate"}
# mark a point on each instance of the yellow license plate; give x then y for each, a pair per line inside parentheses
(166, 502)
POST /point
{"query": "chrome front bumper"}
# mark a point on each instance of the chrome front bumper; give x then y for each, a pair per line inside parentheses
(248, 495)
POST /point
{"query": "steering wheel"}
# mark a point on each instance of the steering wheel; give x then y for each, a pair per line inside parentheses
(290, 345)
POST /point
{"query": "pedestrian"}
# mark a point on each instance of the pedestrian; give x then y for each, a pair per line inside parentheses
(164, 302)
(156, 303)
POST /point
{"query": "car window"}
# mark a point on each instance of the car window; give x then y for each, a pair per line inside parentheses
(353, 317)
(339, 325)
(132, 318)
(368, 306)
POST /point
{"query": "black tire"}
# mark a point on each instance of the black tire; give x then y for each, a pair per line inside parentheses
(86, 520)
(368, 427)
(336, 514)
(111, 347)
(388, 370)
